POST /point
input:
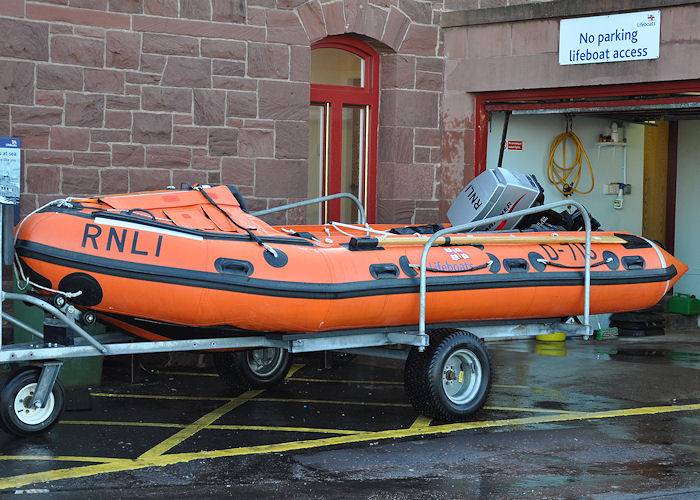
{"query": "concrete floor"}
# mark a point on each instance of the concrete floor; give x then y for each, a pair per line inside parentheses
(581, 419)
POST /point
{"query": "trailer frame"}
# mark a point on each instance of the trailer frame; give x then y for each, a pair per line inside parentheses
(389, 342)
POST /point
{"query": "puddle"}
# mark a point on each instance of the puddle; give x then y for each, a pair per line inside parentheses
(641, 354)
(656, 356)
(551, 405)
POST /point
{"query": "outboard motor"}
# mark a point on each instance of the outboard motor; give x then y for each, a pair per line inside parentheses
(496, 192)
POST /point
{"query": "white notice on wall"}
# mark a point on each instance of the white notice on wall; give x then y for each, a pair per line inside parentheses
(10, 161)
(600, 39)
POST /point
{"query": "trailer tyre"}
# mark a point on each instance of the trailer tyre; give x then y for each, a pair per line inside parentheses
(451, 379)
(252, 368)
(17, 416)
(3, 382)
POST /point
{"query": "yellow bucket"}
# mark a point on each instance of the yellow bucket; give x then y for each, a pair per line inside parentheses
(552, 337)
(551, 348)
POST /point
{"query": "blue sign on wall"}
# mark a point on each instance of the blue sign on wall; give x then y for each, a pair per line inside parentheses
(10, 167)
(607, 39)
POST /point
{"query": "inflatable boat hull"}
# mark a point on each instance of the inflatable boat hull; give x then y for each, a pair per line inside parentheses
(169, 259)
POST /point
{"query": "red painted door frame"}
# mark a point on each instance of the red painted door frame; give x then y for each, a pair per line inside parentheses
(339, 96)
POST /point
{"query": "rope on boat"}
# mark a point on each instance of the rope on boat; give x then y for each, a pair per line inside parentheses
(541, 261)
(328, 235)
(366, 227)
(22, 281)
(432, 269)
(133, 211)
(250, 232)
(565, 266)
(63, 202)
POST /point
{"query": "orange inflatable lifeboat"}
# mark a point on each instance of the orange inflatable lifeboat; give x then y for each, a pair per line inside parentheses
(161, 263)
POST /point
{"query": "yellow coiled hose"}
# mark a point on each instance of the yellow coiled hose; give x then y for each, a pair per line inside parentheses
(565, 178)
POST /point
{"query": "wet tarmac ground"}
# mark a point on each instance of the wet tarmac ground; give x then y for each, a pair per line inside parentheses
(581, 419)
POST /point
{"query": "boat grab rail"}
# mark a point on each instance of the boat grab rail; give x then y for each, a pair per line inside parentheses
(313, 201)
(520, 213)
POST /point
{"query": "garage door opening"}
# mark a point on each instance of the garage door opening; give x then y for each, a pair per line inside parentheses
(654, 154)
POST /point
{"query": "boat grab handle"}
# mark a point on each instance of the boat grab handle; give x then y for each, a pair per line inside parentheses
(134, 210)
(633, 262)
(520, 213)
(516, 265)
(313, 201)
(384, 271)
(233, 266)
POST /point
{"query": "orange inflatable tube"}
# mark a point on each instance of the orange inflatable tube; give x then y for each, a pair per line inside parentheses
(183, 264)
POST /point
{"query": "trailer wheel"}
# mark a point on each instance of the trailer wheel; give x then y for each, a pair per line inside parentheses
(451, 379)
(252, 368)
(3, 382)
(17, 416)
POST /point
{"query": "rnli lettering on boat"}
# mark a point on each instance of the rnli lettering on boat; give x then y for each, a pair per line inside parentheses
(473, 197)
(119, 240)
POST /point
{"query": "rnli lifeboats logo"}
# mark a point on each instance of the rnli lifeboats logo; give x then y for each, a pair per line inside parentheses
(456, 253)
(458, 261)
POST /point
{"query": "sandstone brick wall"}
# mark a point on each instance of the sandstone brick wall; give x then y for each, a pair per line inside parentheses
(123, 95)
(486, 4)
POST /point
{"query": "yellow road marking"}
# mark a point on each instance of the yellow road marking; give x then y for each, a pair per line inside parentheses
(307, 401)
(331, 402)
(122, 424)
(222, 427)
(60, 458)
(342, 381)
(158, 396)
(421, 422)
(294, 368)
(315, 430)
(531, 410)
(83, 471)
(201, 423)
(169, 459)
(267, 400)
